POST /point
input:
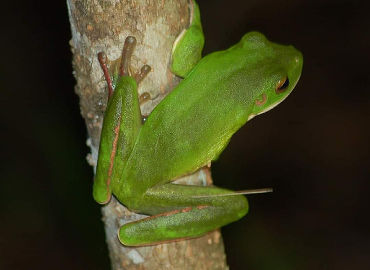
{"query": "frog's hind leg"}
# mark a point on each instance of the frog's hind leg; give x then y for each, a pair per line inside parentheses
(122, 122)
(182, 211)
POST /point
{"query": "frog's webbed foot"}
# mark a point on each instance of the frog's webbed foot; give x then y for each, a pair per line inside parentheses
(125, 65)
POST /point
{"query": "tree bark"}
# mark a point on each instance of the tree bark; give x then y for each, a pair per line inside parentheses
(103, 26)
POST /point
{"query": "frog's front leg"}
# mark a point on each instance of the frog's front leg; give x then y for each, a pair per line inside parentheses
(122, 121)
(187, 48)
(180, 212)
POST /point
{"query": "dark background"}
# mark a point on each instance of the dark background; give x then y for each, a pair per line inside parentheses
(313, 149)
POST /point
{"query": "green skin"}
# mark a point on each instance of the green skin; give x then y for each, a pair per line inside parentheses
(185, 132)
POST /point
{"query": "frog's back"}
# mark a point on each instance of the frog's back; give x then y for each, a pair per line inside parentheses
(193, 124)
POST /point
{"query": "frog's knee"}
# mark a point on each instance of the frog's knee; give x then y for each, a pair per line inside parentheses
(240, 206)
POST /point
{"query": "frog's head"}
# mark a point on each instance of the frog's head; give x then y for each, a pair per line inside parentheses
(279, 68)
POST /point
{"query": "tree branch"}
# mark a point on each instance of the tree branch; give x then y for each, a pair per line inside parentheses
(103, 26)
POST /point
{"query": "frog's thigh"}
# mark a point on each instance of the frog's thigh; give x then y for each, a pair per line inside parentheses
(179, 213)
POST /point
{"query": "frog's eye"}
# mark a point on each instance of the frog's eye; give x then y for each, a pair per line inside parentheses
(282, 85)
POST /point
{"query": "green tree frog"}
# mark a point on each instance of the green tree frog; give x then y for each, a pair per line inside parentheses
(186, 131)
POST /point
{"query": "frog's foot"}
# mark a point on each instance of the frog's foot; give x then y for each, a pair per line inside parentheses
(102, 57)
(127, 51)
(124, 69)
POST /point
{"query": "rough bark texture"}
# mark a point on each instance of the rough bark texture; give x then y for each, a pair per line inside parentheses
(103, 26)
